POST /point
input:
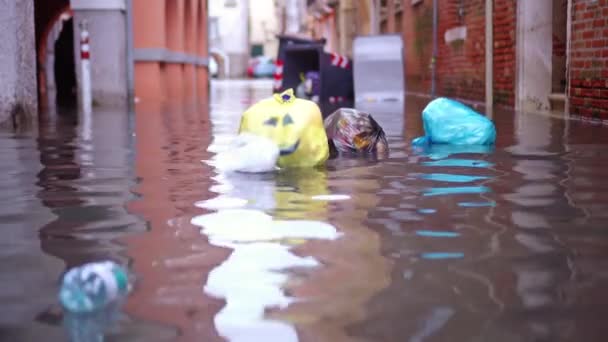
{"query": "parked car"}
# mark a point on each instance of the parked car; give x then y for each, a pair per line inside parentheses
(260, 67)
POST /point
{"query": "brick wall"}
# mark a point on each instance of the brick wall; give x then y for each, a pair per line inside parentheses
(589, 59)
(417, 29)
(505, 19)
(461, 63)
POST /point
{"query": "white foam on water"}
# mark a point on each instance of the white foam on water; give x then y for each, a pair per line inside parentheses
(336, 197)
(221, 188)
(222, 202)
(250, 280)
(247, 153)
(247, 225)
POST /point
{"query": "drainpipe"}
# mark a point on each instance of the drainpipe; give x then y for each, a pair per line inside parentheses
(434, 57)
(390, 20)
(346, 20)
(568, 59)
(130, 66)
(374, 11)
(489, 58)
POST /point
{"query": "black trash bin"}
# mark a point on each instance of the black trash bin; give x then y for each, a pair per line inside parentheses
(284, 42)
(335, 75)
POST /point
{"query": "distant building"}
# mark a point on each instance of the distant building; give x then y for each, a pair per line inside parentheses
(340, 21)
(264, 24)
(293, 17)
(229, 35)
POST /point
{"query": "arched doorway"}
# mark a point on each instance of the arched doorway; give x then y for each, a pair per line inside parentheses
(64, 68)
(50, 15)
(222, 61)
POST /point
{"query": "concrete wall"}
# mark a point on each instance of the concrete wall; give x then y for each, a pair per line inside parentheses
(534, 32)
(17, 59)
(108, 44)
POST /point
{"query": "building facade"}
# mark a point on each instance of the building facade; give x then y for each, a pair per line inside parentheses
(170, 49)
(539, 55)
(229, 36)
(340, 21)
(151, 50)
(545, 55)
(264, 24)
(588, 88)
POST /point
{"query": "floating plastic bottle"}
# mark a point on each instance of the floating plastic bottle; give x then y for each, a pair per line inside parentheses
(93, 326)
(91, 287)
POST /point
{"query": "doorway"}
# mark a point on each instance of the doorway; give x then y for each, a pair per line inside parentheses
(559, 41)
(64, 66)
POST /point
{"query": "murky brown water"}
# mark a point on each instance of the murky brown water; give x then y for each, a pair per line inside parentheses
(506, 244)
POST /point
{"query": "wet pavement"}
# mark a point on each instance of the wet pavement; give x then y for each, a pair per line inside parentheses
(502, 244)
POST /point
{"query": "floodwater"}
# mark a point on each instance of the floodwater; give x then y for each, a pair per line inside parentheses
(503, 244)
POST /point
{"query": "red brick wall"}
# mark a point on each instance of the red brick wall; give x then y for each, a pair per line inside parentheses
(461, 64)
(589, 59)
(505, 19)
(417, 29)
(398, 24)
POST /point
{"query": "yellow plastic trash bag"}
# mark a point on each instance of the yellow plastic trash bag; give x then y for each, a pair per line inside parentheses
(295, 125)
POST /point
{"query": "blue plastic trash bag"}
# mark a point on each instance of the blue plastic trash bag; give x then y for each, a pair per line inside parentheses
(451, 122)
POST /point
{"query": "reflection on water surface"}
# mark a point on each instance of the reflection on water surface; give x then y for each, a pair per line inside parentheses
(436, 244)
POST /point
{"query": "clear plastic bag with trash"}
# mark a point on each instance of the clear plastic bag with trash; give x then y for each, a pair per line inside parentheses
(450, 122)
(353, 131)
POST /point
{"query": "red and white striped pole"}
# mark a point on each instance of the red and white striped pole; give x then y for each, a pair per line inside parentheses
(278, 76)
(85, 65)
(340, 61)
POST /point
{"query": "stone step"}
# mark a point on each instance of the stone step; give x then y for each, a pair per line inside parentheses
(557, 102)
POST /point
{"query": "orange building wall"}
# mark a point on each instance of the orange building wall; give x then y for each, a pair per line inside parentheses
(171, 293)
(177, 26)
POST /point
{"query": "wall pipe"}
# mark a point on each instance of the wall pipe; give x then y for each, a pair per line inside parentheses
(130, 59)
(434, 57)
(489, 58)
(375, 17)
(568, 58)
